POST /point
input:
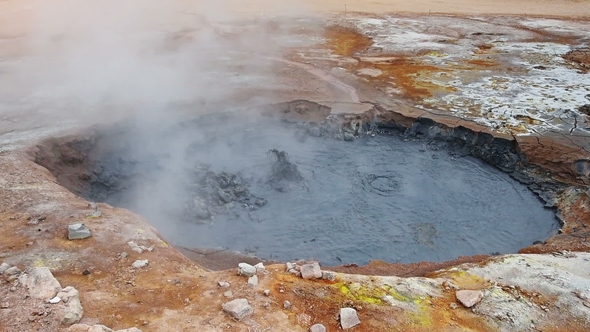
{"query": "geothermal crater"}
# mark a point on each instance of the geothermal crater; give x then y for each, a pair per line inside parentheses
(274, 189)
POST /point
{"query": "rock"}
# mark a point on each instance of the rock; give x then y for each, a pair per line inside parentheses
(311, 271)
(72, 311)
(137, 248)
(225, 197)
(469, 298)
(12, 271)
(253, 281)
(228, 294)
(138, 264)
(266, 292)
(40, 283)
(260, 202)
(5, 305)
(328, 275)
(124, 255)
(317, 328)
(88, 328)
(348, 318)
(238, 308)
(78, 231)
(348, 137)
(260, 267)
(290, 266)
(96, 213)
(453, 306)
(223, 284)
(55, 300)
(287, 305)
(4, 267)
(245, 269)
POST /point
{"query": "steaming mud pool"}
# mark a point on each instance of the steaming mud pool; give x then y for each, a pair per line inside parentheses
(220, 185)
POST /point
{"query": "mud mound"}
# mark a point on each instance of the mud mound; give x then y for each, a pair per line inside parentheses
(580, 56)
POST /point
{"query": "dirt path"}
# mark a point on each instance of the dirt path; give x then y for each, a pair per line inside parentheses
(326, 77)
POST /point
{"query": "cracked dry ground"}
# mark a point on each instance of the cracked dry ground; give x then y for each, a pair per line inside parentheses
(545, 288)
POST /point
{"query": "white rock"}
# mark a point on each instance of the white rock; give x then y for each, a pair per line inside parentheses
(238, 308)
(259, 267)
(328, 275)
(286, 304)
(55, 300)
(469, 298)
(228, 294)
(266, 292)
(245, 269)
(290, 266)
(348, 318)
(138, 264)
(40, 283)
(253, 281)
(72, 311)
(12, 271)
(317, 328)
(311, 271)
(4, 267)
(223, 284)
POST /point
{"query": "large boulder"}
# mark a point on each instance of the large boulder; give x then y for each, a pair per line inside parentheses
(40, 283)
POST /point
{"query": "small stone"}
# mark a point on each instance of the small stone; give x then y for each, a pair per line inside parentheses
(228, 294)
(4, 267)
(311, 271)
(13, 289)
(317, 328)
(12, 271)
(124, 255)
(348, 318)
(469, 298)
(253, 281)
(245, 269)
(86, 272)
(138, 264)
(31, 319)
(238, 308)
(287, 305)
(266, 292)
(328, 275)
(5, 305)
(260, 202)
(260, 267)
(290, 266)
(55, 300)
(96, 213)
(78, 231)
(223, 284)
(453, 306)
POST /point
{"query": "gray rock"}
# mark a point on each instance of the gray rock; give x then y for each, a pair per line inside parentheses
(12, 271)
(469, 298)
(260, 267)
(200, 209)
(4, 267)
(78, 231)
(223, 284)
(138, 264)
(245, 269)
(290, 266)
(253, 281)
(348, 318)
(40, 283)
(317, 328)
(96, 213)
(260, 202)
(328, 275)
(348, 137)
(311, 271)
(228, 294)
(287, 305)
(72, 311)
(225, 197)
(238, 308)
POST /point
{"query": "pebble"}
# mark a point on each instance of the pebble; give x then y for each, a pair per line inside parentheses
(78, 231)
(253, 281)
(245, 269)
(55, 300)
(266, 292)
(228, 294)
(4, 267)
(348, 318)
(238, 308)
(223, 284)
(287, 305)
(469, 298)
(260, 267)
(5, 305)
(317, 328)
(140, 263)
(328, 275)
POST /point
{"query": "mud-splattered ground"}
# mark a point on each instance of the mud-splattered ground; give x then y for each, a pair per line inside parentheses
(520, 78)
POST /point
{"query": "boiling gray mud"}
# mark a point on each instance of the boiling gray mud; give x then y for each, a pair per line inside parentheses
(373, 198)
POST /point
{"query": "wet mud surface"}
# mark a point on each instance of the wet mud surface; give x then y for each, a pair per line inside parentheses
(312, 198)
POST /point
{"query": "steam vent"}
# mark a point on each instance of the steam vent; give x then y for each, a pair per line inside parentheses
(294, 166)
